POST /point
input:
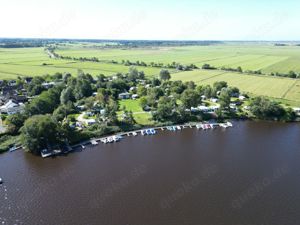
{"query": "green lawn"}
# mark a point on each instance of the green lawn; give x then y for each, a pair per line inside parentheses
(141, 117)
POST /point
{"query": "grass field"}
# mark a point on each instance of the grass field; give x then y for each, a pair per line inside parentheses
(279, 88)
(29, 62)
(268, 58)
(139, 115)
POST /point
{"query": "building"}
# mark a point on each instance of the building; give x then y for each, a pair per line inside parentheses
(135, 96)
(297, 111)
(11, 107)
(124, 95)
(242, 98)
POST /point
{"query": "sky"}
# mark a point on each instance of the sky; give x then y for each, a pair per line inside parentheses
(151, 19)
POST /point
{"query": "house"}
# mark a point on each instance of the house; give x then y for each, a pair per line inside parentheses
(89, 122)
(11, 107)
(135, 96)
(28, 80)
(12, 83)
(214, 100)
(124, 95)
(48, 85)
(297, 111)
(242, 98)
(132, 89)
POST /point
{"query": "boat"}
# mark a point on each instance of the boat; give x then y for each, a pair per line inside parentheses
(1, 181)
(115, 138)
(178, 128)
(174, 128)
(143, 132)
(148, 132)
(152, 131)
(12, 149)
(229, 124)
(104, 140)
(110, 140)
(82, 146)
(46, 153)
(198, 126)
(134, 134)
(93, 142)
(223, 125)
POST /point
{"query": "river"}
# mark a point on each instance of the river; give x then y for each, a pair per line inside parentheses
(245, 175)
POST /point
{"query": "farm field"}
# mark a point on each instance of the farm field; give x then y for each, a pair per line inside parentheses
(34, 61)
(265, 57)
(275, 87)
(268, 58)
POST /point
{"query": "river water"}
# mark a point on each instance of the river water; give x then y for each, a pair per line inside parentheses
(245, 175)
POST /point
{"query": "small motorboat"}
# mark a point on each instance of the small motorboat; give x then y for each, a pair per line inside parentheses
(229, 124)
(152, 131)
(110, 139)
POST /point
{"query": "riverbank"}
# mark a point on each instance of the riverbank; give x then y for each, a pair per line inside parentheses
(144, 132)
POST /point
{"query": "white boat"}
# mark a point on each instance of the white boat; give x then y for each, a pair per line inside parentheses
(134, 133)
(46, 153)
(143, 132)
(82, 146)
(104, 140)
(152, 131)
(93, 142)
(198, 126)
(223, 125)
(110, 140)
(178, 128)
(229, 124)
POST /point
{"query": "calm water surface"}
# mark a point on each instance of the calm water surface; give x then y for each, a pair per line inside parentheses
(247, 175)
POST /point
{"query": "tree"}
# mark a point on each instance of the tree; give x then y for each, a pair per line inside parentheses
(143, 102)
(15, 122)
(219, 85)
(35, 87)
(83, 87)
(40, 132)
(67, 95)
(224, 99)
(141, 90)
(190, 98)
(166, 110)
(164, 75)
(264, 108)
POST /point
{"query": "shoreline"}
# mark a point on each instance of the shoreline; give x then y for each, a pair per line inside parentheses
(158, 128)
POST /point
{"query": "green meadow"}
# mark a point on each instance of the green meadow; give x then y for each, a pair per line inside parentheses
(255, 56)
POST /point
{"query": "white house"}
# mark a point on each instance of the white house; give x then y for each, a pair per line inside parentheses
(242, 98)
(135, 96)
(124, 95)
(297, 111)
(11, 107)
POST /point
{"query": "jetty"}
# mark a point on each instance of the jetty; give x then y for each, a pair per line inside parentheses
(144, 132)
